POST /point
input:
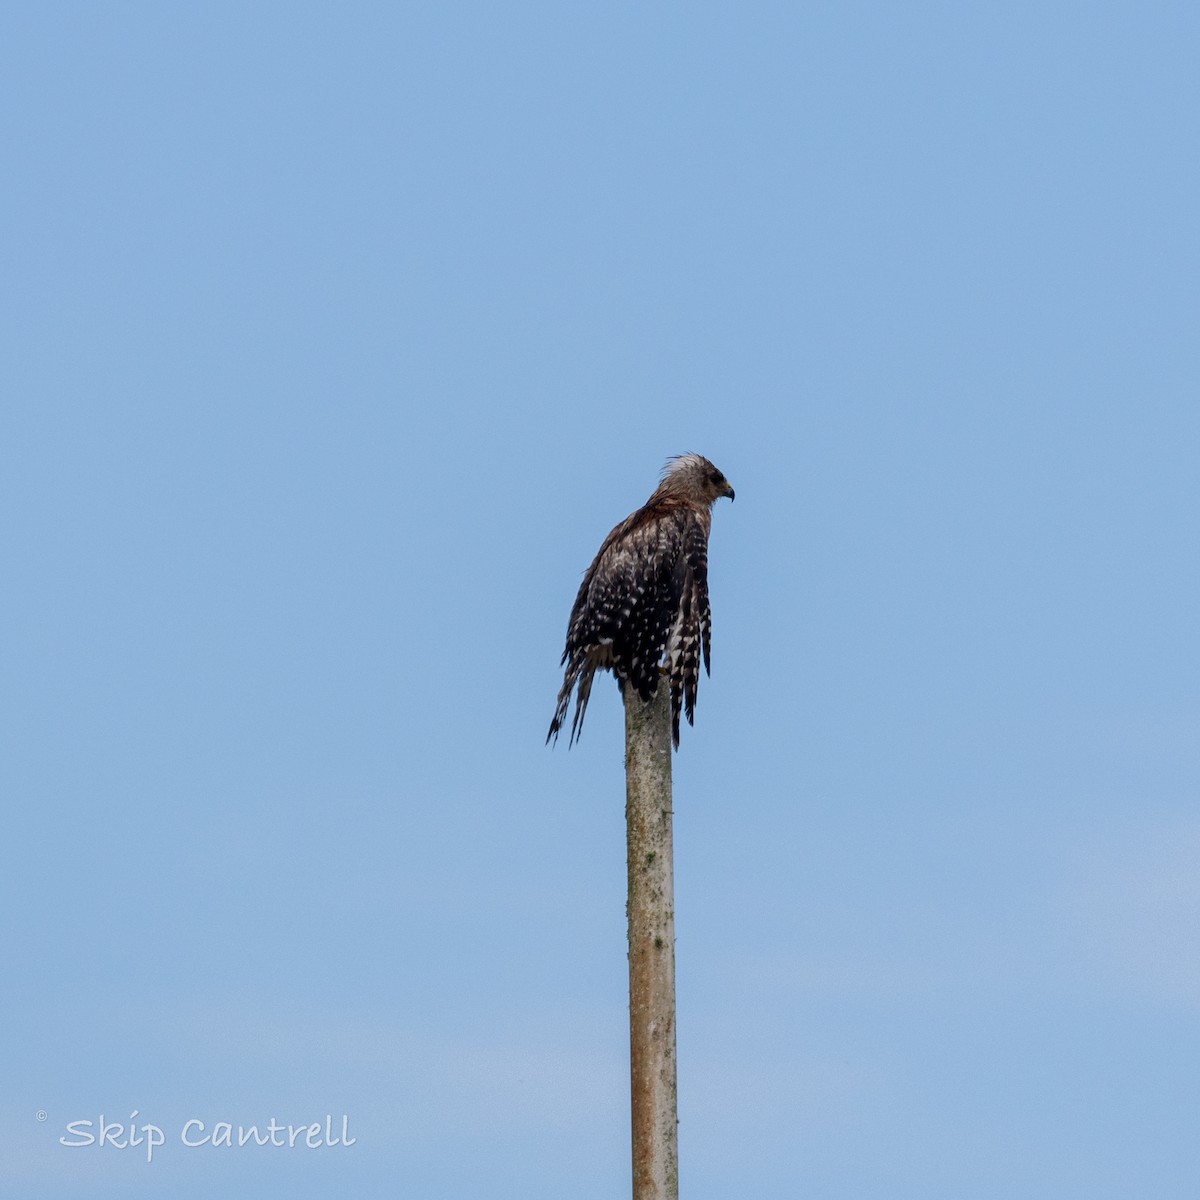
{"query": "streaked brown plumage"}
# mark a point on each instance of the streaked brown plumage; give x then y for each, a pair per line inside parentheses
(644, 599)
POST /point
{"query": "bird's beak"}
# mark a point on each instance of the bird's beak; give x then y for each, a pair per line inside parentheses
(729, 491)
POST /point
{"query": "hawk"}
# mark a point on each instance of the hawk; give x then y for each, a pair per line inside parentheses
(645, 598)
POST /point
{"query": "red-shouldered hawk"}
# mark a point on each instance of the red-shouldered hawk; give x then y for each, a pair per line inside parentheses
(645, 597)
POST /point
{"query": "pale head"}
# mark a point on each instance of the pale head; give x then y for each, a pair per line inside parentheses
(694, 478)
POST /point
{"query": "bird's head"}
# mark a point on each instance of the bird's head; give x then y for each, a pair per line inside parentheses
(695, 478)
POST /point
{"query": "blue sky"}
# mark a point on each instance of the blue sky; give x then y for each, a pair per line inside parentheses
(335, 338)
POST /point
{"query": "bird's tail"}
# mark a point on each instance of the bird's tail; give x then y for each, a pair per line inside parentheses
(581, 672)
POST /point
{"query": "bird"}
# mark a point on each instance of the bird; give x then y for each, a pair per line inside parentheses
(642, 608)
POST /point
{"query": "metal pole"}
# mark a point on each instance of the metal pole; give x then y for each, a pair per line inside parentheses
(651, 910)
